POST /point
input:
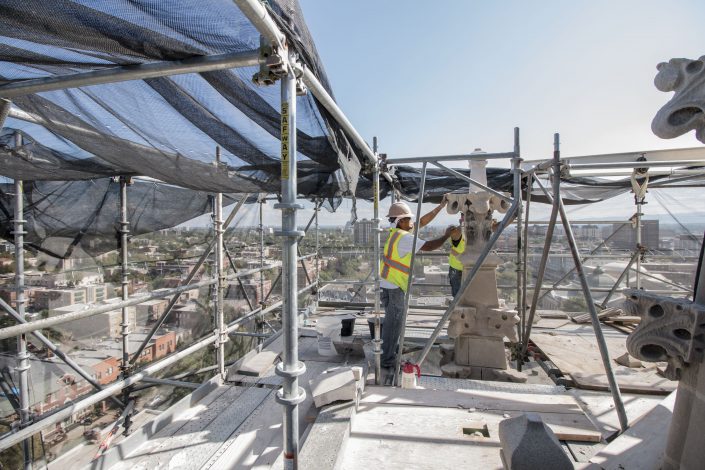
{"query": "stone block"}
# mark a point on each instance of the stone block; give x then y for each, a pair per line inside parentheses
(480, 351)
(455, 371)
(528, 444)
(335, 385)
(259, 364)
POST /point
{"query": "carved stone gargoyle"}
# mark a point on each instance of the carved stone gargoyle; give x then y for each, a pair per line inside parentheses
(686, 110)
(671, 330)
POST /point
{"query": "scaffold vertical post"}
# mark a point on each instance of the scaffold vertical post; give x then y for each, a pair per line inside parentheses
(220, 273)
(599, 335)
(525, 273)
(22, 355)
(290, 395)
(377, 341)
(407, 297)
(639, 205)
(124, 291)
(317, 208)
(516, 171)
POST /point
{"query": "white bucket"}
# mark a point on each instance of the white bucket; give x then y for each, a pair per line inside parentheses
(328, 329)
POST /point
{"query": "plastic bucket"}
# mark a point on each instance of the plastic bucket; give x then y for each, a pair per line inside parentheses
(348, 326)
(371, 325)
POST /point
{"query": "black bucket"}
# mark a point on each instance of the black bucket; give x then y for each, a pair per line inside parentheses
(371, 324)
(348, 327)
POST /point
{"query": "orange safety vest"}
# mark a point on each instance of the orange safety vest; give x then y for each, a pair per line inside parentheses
(395, 268)
(456, 251)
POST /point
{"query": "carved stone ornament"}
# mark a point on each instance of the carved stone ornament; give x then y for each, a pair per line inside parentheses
(686, 110)
(671, 330)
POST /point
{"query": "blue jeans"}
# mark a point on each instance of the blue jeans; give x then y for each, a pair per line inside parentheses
(455, 277)
(393, 302)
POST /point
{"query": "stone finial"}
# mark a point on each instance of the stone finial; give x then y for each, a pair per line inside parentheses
(686, 110)
(671, 330)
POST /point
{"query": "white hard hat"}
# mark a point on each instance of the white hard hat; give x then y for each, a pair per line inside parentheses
(399, 210)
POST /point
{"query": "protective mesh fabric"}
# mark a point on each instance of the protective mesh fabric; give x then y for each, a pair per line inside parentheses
(166, 128)
(64, 216)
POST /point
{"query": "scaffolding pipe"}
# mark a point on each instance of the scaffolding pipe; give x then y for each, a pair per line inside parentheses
(620, 279)
(318, 254)
(56, 351)
(125, 294)
(638, 247)
(539, 275)
(22, 355)
(599, 335)
(637, 164)
(441, 158)
(516, 170)
(117, 74)
(525, 279)
(410, 281)
(171, 382)
(261, 250)
(589, 256)
(66, 412)
(290, 395)
(377, 336)
(467, 280)
(67, 317)
(220, 275)
(257, 13)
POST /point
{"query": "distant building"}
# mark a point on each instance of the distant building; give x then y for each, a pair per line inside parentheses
(363, 232)
(95, 326)
(687, 242)
(625, 238)
(50, 299)
(588, 232)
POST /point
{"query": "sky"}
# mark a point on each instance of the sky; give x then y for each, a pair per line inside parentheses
(446, 77)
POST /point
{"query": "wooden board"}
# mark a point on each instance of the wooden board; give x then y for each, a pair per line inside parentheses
(599, 407)
(573, 349)
(642, 445)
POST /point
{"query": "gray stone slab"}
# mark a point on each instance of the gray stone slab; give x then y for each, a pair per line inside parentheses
(326, 440)
(335, 385)
(259, 364)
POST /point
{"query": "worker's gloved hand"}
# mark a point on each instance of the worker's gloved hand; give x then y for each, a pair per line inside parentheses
(444, 201)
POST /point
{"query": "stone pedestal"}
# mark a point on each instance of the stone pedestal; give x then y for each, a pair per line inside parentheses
(480, 321)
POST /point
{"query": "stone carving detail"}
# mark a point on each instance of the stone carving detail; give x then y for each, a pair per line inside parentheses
(686, 110)
(671, 330)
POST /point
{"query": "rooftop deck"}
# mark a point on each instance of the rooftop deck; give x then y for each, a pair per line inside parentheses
(238, 424)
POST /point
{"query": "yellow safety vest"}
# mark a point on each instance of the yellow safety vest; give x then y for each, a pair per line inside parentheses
(456, 251)
(393, 267)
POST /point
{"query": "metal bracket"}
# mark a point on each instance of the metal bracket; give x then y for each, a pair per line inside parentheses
(272, 64)
(299, 370)
(295, 400)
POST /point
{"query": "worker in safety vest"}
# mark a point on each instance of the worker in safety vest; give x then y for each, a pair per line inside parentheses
(395, 267)
(457, 248)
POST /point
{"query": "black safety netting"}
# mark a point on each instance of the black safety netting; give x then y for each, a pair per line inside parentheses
(62, 217)
(165, 128)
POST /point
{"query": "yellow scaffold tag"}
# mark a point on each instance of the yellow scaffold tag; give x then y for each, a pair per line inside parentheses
(285, 140)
